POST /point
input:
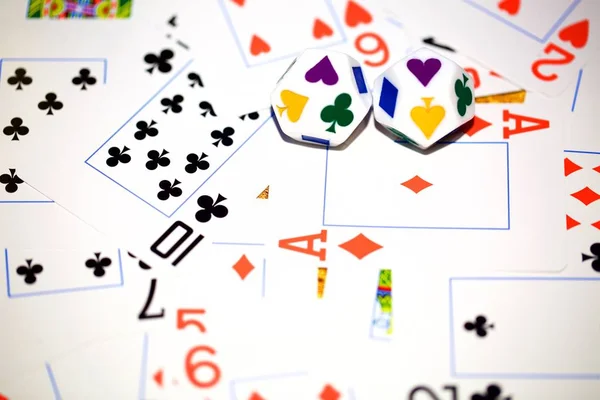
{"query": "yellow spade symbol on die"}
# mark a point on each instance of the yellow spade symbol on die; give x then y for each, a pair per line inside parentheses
(293, 103)
(427, 118)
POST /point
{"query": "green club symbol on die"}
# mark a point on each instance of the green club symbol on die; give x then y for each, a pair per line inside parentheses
(465, 96)
(338, 112)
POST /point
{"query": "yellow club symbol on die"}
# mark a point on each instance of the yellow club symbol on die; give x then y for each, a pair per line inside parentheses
(427, 118)
(293, 103)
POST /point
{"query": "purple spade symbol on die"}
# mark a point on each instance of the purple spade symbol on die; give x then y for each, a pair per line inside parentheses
(424, 71)
(322, 71)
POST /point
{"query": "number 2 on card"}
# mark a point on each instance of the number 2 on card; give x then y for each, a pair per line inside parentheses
(567, 58)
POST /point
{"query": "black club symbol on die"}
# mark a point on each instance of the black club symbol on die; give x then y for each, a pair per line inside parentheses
(98, 264)
(84, 78)
(16, 129)
(20, 78)
(160, 61)
(168, 189)
(157, 159)
(210, 208)
(595, 250)
(196, 163)
(223, 137)
(51, 103)
(492, 392)
(11, 180)
(145, 130)
(30, 271)
(173, 104)
(480, 326)
(118, 156)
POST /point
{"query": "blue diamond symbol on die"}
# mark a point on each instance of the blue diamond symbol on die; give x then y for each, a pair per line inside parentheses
(388, 98)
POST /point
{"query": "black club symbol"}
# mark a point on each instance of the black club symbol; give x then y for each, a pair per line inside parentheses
(173, 104)
(20, 78)
(223, 137)
(480, 326)
(118, 156)
(195, 80)
(157, 159)
(145, 130)
(196, 163)
(168, 189)
(493, 392)
(84, 79)
(211, 209)
(253, 116)
(51, 103)
(30, 271)
(16, 128)
(11, 181)
(98, 264)
(160, 61)
(595, 250)
(207, 109)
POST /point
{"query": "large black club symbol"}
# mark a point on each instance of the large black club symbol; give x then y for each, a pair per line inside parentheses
(210, 208)
(223, 137)
(30, 271)
(51, 103)
(145, 130)
(84, 78)
(11, 180)
(98, 264)
(196, 163)
(480, 326)
(118, 156)
(16, 129)
(160, 61)
(168, 189)
(20, 78)
(173, 104)
(595, 250)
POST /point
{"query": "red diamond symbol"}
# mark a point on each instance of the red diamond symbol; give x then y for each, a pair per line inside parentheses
(571, 223)
(596, 225)
(586, 195)
(416, 184)
(475, 125)
(243, 267)
(570, 167)
(329, 393)
(597, 169)
(255, 396)
(360, 246)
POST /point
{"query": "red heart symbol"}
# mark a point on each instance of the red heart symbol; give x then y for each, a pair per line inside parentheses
(576, 34)
(321, 29)
(239, 2)
(510, 6)
(257, 46)
(355, 14)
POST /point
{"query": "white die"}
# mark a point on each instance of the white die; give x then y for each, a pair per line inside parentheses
(321, 98)
(423, 97)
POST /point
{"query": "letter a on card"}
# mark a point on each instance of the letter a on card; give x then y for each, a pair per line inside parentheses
(537, 124)
(310, 244)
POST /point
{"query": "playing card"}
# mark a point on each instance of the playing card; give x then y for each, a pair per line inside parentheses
(499, 329)
(550, 46)
(397, 203)
(137, 187)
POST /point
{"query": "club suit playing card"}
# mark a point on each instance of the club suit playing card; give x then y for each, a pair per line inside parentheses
(550, 41)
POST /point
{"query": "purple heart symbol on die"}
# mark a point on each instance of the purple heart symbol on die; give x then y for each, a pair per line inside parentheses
(322, 71)
(424, 71)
